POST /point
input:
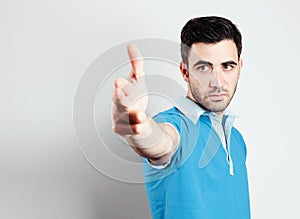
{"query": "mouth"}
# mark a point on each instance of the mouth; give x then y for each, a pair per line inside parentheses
(217, 97)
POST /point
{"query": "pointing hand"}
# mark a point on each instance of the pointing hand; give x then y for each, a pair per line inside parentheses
(130, 97)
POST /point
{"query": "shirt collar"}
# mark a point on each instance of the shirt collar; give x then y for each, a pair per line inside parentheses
(189, 108)
(193, 111)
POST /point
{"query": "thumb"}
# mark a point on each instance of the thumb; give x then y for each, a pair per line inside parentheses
(136, 60)
(120, 82)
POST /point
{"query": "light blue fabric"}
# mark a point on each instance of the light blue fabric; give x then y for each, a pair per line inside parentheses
(196, 183)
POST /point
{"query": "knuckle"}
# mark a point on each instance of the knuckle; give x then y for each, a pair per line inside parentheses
(136, 128)
(133, 117)
(116, 129)
(139, 115)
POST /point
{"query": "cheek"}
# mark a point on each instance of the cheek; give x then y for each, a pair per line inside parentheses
(201, 82)
(232, 82)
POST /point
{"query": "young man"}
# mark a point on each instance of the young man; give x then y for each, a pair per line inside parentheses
(195, 158)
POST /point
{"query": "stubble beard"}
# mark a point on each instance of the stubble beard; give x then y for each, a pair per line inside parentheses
(203, 100)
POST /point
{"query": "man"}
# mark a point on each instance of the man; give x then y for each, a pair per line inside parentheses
(194, 157)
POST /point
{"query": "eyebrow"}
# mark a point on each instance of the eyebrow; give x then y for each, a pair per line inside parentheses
(229, 63)
(202, 62)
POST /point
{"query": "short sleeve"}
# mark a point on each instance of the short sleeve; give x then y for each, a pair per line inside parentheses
(188, 135)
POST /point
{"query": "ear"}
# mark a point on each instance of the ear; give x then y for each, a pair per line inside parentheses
(241, 62)
(184, 71)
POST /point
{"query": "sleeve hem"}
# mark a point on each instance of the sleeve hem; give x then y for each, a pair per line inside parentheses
(165, 164)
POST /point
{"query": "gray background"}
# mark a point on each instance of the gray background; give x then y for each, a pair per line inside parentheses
(46, 47)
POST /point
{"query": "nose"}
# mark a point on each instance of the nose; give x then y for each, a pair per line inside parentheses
(216, 80)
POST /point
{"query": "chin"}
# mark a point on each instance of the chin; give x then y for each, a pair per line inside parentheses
(217, 108)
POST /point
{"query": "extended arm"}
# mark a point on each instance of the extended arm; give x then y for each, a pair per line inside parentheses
(155, 141)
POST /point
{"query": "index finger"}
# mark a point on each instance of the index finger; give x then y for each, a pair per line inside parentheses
(136, 60)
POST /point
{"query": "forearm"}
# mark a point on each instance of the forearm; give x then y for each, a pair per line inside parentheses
(155, 141)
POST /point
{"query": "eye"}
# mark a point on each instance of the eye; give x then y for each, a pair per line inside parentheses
(228, 67)
(204, 68)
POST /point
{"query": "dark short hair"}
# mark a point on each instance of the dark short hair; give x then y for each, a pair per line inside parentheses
(211, 29)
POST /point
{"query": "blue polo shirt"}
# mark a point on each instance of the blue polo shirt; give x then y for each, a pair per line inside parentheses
(204, 178)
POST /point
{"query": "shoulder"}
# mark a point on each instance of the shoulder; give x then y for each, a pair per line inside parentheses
(237, 134)
(169, 112)
(238, 138)
(172, 116)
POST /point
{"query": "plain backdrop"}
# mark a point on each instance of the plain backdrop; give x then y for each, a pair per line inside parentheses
(45, 47)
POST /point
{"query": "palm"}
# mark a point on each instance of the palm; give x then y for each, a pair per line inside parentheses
(137, 95)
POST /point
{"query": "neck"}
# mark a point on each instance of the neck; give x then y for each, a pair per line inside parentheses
(219, 114)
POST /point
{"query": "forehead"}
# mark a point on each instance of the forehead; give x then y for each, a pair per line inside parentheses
(219, 52)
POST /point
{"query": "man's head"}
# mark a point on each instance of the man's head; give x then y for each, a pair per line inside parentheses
(211, 64)
(208, 30)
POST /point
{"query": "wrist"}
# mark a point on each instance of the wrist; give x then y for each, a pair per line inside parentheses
(150, 135)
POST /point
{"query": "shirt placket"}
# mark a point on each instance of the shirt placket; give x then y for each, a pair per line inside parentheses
(224, 135)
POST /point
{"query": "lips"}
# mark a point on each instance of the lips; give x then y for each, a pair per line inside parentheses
(217, 97)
